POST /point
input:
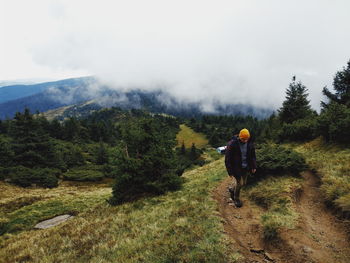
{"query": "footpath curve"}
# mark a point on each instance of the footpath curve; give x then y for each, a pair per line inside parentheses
(319, 237)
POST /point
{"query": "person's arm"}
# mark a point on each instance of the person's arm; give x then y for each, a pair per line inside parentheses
(229, 159)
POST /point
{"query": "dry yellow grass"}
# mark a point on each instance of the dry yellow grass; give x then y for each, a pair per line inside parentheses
(189, 136)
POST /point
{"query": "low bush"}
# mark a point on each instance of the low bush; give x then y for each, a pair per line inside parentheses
(299, 130)
(24, 177)
(3, 224)
(146, 161)
(3, 173)
(109, 170)
(70, 154)
(84, 173)
(276, 159)
(334, 123)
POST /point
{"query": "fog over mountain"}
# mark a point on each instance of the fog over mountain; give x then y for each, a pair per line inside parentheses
(198, 51)
(83, 95)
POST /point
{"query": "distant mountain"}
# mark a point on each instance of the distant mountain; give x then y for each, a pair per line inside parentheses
(12, 92)
(79, 97)
(4, 83)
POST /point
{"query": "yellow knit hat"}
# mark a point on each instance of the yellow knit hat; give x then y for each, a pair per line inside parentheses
(244, 134)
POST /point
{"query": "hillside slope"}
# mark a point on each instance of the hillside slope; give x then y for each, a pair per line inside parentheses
(332, 164)
(188, 136)
(182, 226)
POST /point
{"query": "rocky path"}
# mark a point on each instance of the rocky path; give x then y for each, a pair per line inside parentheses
(319, 237)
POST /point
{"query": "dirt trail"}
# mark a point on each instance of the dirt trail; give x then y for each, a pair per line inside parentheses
(319, 237)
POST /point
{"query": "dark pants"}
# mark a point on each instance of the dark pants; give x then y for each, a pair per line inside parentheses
(238, 182)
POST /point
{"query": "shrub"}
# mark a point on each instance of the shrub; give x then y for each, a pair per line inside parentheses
(70, 154)
(334, 123)
(3, 224)
(145, 160)
(83, 174)
(109, 170)
(24, 177)
(276, 159)
(3, 172)
(300, 130)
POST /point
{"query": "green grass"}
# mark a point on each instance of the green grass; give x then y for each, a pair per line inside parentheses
(27, 216)
(210, 155)
(277, 196)
(189, 136)
(332, 163)
(182, 226)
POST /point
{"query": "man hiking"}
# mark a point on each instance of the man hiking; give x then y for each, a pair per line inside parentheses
(240, 161)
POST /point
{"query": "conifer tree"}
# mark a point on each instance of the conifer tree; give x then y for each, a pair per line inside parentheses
(296, 105)
(6, 152)
(183, 148)
(101, 154)
(193, 153)
(31, 145)
(145, 161)
(341, 85)
(334, 120)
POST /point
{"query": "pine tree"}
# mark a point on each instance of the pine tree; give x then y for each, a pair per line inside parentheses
(102, 154)
(6, 152)
(31, 145)
(341, 85)
(183, 148)
(193, 153)
(145, 160)
(296, 105)
(334, 120)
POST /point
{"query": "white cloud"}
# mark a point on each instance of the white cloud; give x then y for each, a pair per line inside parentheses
(234, 51)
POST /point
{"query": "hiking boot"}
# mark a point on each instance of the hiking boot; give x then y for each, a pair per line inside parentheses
(238, 203)
(232, 193)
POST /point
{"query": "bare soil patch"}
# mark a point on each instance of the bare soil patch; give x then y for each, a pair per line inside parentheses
(318, 237)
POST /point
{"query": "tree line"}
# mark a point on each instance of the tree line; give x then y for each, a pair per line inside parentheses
(137, 148)
(295, 120)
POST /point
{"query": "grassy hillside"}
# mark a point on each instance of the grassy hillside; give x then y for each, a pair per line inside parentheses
(332, 163)
(182, 226)
(189, 136)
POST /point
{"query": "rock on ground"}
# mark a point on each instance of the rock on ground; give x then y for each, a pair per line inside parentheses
(53, 221)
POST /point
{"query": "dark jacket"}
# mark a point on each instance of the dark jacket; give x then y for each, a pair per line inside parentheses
(233, 157)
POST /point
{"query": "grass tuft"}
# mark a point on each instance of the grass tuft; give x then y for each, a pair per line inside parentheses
(276, 195)
(332, 163)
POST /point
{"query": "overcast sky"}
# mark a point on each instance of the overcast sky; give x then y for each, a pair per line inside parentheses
(233, 51)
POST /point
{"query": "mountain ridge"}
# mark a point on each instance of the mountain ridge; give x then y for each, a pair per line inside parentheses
(74, 92)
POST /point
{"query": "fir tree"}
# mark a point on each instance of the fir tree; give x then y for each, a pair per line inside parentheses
(334, 120)
(183, 148)
(6, 152)
(145, 160)
(341, 85)
(193, 153)
(296, 105)
(101, 154)
(31, 145)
